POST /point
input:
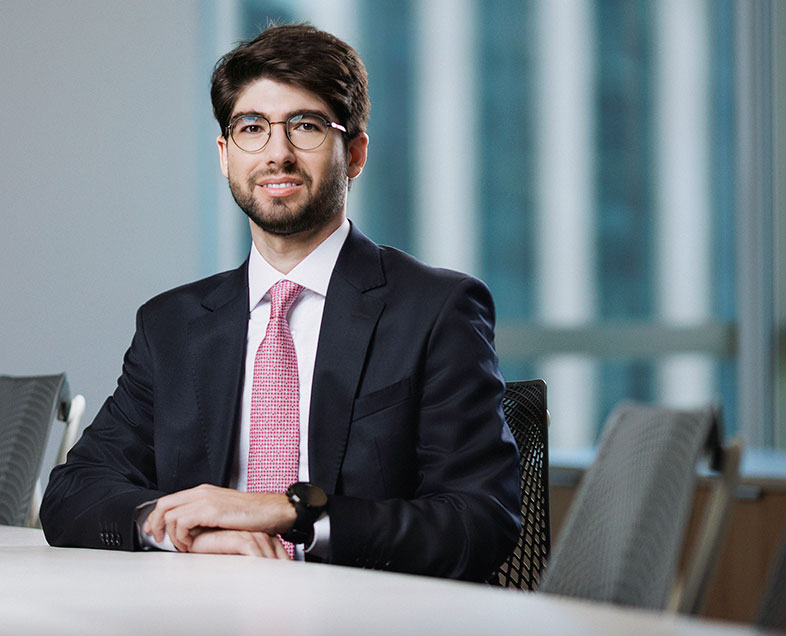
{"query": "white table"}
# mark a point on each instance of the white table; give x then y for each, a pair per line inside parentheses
(46, 590)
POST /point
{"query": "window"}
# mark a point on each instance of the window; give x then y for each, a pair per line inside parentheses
(606, 167)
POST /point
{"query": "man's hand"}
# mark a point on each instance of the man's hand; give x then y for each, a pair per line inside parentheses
(256, 544)
(210, 507)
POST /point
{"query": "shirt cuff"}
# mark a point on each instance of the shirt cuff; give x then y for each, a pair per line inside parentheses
(148, 541)
(320, 545)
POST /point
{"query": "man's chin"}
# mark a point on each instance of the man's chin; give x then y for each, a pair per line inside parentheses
(288, 225)
(277, 230)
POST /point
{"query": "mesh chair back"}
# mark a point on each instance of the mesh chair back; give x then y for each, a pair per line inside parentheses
(28, 406)
(524, 405)
(772, 614)
(623, 535)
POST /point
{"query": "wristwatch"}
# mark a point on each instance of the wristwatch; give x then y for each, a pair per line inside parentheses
(310, 503)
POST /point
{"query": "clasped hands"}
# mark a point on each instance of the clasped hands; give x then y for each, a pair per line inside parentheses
(210, 519)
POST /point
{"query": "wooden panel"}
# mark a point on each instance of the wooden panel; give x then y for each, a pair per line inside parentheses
(755, 533)
(756, 530)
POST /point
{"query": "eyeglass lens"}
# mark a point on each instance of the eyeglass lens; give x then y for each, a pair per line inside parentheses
(305, 131)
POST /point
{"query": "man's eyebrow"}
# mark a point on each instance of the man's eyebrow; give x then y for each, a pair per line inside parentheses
(310, 111)
(299, 111)
(246, 113)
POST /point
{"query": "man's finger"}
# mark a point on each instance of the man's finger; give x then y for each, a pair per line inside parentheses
(156, 519)
(280, 550)
(180, 532)
(270, 546)
(267, 549)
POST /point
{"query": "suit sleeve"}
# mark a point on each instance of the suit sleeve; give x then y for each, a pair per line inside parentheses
(464, 517)
(90, 500)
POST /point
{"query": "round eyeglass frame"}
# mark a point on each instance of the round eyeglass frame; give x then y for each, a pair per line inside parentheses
(328, 125)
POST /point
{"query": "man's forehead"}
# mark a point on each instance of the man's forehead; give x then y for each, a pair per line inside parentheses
(278, 99)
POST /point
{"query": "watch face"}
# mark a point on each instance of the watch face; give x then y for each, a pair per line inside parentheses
(310, 502)
(312, 496)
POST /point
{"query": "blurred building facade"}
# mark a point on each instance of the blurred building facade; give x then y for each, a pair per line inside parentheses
(585, 158)
(611, 168)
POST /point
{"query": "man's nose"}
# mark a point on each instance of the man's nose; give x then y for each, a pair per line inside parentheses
(279, 149)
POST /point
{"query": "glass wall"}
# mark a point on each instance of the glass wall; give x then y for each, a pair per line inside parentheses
(581, 157)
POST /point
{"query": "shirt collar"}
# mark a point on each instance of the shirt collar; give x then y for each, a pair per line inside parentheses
(313, 272)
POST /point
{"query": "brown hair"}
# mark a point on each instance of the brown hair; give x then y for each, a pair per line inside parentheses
(300, 55)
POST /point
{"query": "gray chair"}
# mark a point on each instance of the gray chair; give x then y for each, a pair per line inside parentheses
(524, 405)
(624, 533)
(772, 614)
(28, 407)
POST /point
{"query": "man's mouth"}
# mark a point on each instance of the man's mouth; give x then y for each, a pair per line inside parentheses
(280, 186)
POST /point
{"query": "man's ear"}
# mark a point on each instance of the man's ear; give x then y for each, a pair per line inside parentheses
(356, 155)
(222, 155)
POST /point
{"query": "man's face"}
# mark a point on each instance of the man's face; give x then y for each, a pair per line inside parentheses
(282, 189)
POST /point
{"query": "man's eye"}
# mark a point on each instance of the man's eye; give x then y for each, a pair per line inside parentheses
(307, 124)
(251, 129)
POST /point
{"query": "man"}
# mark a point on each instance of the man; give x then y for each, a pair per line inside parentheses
(331, 391)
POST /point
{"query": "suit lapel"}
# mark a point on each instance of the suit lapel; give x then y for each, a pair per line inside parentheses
(217, 343)
(348, 322)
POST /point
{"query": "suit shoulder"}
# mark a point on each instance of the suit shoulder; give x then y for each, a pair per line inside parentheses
(404, 269)
(193, 293)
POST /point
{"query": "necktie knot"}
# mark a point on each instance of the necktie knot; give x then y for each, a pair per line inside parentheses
(282, 295)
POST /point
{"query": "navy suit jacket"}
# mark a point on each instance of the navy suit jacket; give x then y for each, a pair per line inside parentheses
(406, 432)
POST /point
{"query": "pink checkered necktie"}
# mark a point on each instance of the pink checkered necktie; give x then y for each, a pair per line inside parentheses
(274, 443)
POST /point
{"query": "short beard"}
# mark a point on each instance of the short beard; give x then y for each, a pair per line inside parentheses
(318, 210)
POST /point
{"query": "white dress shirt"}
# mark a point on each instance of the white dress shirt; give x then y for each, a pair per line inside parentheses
(305, 320)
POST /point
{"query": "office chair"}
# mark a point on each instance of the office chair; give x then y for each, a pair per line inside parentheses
(524, 405)
(624, 532)
(28, 407)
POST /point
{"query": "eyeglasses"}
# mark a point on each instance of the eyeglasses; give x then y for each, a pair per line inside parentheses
(306, 131)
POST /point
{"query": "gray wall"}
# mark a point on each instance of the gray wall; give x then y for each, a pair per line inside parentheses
(100, 108)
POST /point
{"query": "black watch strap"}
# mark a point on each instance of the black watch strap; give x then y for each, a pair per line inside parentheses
(310, 504)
